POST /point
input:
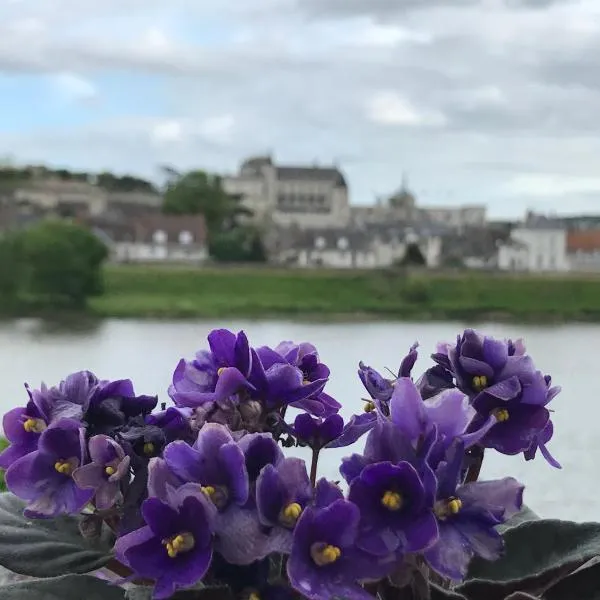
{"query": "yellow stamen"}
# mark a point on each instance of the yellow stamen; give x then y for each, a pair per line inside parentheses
(253, 596)
(34, 425)
(64, 467)
(501, 414)
(444, 508)
(148, 448)
(306, 381)
(454, 505)
(184, 542)
(110, 471)
(220, 371)
(480, 382)
(290, 514)
(369, 407)
(209, 490)
(324, 554)
(392, 500)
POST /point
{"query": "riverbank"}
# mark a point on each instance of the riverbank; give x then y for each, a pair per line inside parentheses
(259, 292)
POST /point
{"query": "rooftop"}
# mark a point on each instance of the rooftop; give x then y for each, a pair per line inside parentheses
(583, 240)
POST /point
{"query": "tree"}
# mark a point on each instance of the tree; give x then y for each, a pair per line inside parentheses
(63, 262)
(11, 268)
(199, 192)
(413, 257)
(242, 244)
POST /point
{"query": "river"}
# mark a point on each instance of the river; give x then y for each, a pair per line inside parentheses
(147, 352)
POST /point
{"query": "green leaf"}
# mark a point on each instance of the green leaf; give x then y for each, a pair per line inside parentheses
(45, 547)
(538, 555)
(68, 587)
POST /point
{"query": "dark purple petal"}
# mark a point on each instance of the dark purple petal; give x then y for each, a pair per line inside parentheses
(495, 353)
(104, 449)
(260, 449)
(408, 362)
(305, 427)
(407, 410)
(242, 356)
(242, 540)
(161, 518)
(222, 345)
(159, 476)
(327, 492)
(230, 381)
(378, 387)
(354, 430)
(271, 495)
(517, 433)
(233, 463)
(63, 439)
(475, 367)
(352, 466)
(503, 497)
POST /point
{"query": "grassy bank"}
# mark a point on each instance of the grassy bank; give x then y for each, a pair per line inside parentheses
(159, 292)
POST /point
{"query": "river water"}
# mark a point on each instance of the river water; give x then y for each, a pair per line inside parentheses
(147, 352)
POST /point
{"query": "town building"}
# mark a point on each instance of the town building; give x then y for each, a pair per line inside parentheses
(308, 197)
(583, 248)
(154, 238)
(538, 245)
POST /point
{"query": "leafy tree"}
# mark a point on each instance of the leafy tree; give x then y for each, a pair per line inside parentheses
(242, 244)
(63, 262)
(199, 192)
(413, 257)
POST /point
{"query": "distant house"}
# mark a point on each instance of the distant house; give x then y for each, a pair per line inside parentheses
(155, 238)
(583, 247)
(369, 247)
(536, 246)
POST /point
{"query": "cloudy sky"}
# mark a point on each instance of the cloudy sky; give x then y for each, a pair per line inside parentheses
(492, 101)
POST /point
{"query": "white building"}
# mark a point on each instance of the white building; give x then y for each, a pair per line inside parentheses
(306, 197)
(536, 247)
(155, 238)
(358, 248)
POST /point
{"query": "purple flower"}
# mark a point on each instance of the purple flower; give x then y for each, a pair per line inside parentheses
(22, 427)
(325, 562)
(175, 423)
(282, 493)
(396, 509)
(175, 546)
(467, 517)
(277, 383)
(260, 450)
(518, 403)
(434, 380)
(215, 461)
(408, 362)
(216, 375)
(378, 387)
(44, 478)
(540, 441)
(317, 433)
(109, 465)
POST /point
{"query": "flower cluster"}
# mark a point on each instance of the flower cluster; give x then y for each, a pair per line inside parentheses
(201, 491)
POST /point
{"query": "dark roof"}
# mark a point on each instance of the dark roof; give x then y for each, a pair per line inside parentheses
(142, 227)
(583, 241)
(315, 173)
(358, 240)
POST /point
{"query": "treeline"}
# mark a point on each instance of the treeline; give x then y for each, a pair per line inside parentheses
(52, 264)
(15, 176)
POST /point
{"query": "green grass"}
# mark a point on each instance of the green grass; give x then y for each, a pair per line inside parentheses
(161, 292)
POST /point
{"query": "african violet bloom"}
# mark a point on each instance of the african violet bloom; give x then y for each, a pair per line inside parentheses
(216, 374)
(175, 546)
(44, 478)
(215, 461)
(396, 509)
(325, 562)
(282, 492)
(467, 517)
(22, 427)
(317, 433)
(109, 465)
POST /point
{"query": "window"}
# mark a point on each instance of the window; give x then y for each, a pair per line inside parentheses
(320, 243)
(343, 243)
(186, 238)
(159, 237)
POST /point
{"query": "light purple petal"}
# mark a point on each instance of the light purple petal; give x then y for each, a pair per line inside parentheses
(503, 496)
(407, 410)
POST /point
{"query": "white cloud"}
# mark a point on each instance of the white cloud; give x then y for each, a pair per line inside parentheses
(547, 185)
(387, 36)
(391, 108)
(167, 132)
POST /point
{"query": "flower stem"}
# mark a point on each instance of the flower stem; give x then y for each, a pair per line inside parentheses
(475, 468)
(313, 466)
